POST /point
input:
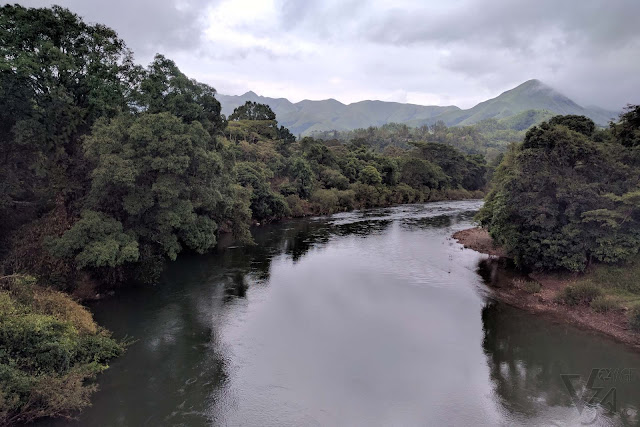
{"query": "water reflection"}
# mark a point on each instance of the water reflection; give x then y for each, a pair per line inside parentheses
(363, 318)
(528, 356)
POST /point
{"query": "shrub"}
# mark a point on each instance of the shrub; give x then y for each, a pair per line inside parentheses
(529, 286)
(346, 199)
(581, 293)
(296, 205)
(634, 318)
(324, 201)
(603, 304)
(369, 175)
(49, 347)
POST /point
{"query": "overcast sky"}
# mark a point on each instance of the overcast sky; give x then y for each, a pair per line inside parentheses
(443, 52)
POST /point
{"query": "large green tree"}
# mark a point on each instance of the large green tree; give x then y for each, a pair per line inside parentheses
(563, 200)
(158, 182)
(58, 75)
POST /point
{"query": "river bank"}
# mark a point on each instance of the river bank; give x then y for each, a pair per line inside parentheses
(505, 286)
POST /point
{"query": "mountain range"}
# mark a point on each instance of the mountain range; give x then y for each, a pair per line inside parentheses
(306, 117)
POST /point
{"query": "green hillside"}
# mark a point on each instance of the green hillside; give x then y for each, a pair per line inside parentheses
(308, 117)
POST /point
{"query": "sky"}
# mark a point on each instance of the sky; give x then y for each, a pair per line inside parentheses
(447, 52)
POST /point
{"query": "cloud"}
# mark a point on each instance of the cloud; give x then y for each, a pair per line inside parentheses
(147, 26)
(455, 52)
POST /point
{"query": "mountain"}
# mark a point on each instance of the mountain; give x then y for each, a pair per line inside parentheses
(530, 95)
(306, 117)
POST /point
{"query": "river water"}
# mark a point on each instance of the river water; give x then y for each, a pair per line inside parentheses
(372, 318)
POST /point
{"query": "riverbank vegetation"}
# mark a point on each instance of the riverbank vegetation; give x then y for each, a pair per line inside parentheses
(108, 169)
(565, 206)
(568, 196)
(51, 349)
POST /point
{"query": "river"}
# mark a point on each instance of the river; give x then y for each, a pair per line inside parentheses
(372, 318)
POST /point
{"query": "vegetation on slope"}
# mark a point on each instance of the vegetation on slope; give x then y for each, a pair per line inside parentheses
(489, 137)
(51, 348)
(569, 195)
(306, 117)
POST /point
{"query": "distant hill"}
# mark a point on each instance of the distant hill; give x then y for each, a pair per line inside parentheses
(306, 117)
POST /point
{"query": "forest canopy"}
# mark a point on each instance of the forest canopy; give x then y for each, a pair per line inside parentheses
(110, 168)
(569, 194)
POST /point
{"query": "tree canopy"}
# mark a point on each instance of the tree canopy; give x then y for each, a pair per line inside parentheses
(564, 198)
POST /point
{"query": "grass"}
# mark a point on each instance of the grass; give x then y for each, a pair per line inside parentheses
(529, 286)
(579, 293)
(604, 304)
(620, 283)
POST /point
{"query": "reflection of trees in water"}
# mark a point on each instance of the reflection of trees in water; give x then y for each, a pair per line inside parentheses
(440, 221)
(525, 376)
(527, 355)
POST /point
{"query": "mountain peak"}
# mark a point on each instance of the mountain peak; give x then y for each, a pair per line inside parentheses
(251, 93)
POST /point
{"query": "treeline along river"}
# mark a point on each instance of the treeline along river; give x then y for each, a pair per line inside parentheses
(372, 317)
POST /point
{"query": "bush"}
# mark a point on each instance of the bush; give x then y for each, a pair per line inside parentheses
(603, 304)
(634, 318)
(529, 286)
(581, 293)
(369, 175)
(296, 205)
(49, 347)
(324, 201)
(346, 199)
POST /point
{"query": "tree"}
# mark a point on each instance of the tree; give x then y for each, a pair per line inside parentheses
(161, 180)
(580, 124)
(302, 175)
(561, 200)
(252, 111)
(265, 204)
(370, 176)
(58, 75)
(164, 88)
(419, 173)
(627, 131)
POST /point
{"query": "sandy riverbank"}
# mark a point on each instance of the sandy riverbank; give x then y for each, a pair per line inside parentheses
(613, 323)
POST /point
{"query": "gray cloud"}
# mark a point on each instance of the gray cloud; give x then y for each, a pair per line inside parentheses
(147, 26)
(458, 51)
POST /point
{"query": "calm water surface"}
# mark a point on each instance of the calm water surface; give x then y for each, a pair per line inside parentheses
(372, 318)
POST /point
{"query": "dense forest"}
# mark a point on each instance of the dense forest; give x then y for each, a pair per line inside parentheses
(569, 194)
(489, 137)
(107, 164)
(108, 169)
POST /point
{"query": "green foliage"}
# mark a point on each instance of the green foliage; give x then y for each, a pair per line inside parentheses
(369, 175)
(418, 173)
(96, 240)
(265, 204)
(49, 347)
(529, 286)
(162, 87)
(580, 124)
(253, 111)
(562, 199)
(302, 176)
(581, 293)
(604, 304)
(627, 131)
(57, 76)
